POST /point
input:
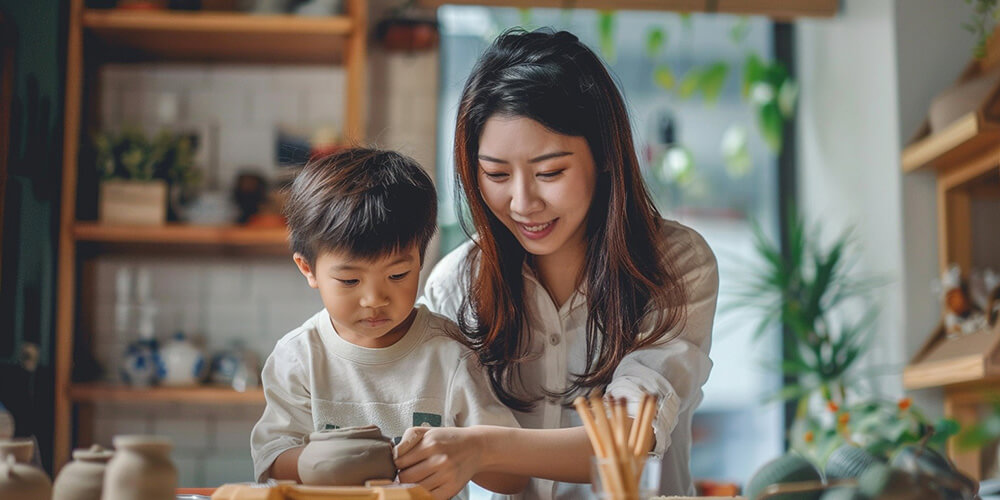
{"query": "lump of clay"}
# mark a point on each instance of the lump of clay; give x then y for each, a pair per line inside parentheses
(346, 457)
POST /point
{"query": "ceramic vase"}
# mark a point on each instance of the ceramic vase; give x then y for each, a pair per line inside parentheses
(183, 363)
(22, 449)
(346, 457)
(83, 478)
(18, 479)
(140, 470)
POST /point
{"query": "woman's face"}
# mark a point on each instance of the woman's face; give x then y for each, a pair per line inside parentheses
(537, 182)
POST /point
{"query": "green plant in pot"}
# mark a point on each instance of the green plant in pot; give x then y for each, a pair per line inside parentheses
(812, 291)
(887, 447)
(137, 173)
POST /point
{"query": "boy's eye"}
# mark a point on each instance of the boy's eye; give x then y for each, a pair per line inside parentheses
(398, 277)
(347, 282)
(549, 175)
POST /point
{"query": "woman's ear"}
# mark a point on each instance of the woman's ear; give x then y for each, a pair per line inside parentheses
(305, 269)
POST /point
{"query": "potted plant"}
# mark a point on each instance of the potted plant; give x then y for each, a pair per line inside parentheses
(137, 172)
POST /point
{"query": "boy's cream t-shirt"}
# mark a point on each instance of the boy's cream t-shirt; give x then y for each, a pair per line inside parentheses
(316, 380)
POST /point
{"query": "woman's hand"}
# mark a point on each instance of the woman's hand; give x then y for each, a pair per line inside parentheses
(441, 459)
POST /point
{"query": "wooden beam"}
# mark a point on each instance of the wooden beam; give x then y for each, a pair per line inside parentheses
(777, 9)
(356, 96)
(66, 271)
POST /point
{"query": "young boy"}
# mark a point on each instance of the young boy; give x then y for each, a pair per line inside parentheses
(360, 221)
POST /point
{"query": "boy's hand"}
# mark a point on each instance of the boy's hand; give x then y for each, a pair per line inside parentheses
(441, 459)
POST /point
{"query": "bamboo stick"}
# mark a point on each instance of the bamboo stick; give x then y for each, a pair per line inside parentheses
(606, 435)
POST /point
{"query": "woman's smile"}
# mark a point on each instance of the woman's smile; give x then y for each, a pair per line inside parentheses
(537, 231)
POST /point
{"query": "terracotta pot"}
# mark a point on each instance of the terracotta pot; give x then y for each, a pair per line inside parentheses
(23, 481)
(346, 457)
(140, 470)
(83, 478)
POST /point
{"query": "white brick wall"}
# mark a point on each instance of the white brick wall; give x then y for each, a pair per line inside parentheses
(211, 444)
(254, 299)
(243, 103)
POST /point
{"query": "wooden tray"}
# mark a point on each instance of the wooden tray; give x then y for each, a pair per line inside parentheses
(291, 491)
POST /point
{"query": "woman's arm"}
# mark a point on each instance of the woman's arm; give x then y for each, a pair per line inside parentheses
(444, 459)
(286, 466)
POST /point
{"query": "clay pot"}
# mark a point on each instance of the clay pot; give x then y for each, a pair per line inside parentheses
(83, 478)
(346, 457)
(23, 481)
(21, 448)
(140, 470)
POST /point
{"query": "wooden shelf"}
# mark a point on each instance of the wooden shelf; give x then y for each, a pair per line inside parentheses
(943, 362)
(777, 9)
(95, 392)
(182, 234)
(216, 36)
(968, 137)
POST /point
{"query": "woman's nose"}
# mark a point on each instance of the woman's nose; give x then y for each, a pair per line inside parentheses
(524, 199)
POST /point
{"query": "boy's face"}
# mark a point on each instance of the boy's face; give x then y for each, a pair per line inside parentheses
(369, 301)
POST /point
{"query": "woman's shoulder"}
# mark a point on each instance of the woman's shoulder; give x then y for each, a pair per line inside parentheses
(453, 269)
(448, 282)
(687, 250)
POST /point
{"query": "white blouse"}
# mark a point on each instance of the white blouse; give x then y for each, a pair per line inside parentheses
(673, 370)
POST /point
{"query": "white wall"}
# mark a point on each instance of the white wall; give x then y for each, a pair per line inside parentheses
(868, 76)
(848, 149)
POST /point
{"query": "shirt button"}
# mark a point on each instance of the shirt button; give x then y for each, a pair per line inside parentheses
(554, 339)
(552, 400)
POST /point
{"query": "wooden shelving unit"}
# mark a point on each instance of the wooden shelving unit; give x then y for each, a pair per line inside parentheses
(220, 36)
(965, 160)
(968, 137)
(182, 234)
(96, 37)
(772, 8)
(93, 392)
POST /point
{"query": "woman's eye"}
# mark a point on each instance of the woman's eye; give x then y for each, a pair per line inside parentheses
(398, 277)
(549, 175)
(495, 175)
(347, 282)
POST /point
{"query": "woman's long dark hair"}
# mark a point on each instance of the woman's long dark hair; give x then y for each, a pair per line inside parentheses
(555, 80)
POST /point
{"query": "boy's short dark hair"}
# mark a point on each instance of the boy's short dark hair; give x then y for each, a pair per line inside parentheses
(366, 202)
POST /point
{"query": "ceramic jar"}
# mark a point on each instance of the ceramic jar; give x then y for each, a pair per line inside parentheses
(18, 479)
(83, 478)
(141, 366)
(183, 363)
(22, 449)
(140, 470)
(346, 457)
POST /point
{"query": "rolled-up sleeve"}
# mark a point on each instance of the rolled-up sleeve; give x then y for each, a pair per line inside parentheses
(675, 370)
(287, 419)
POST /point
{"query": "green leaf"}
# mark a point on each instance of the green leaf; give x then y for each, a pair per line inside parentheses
(712, 80)
(771, 124)
(655, 39)
(606, 32)
(686, 20)
(753, 72)
(525, 17)
(664, 77)
(689, 84)
(739, 31)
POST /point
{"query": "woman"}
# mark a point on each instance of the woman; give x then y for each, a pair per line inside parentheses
(573, 282)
